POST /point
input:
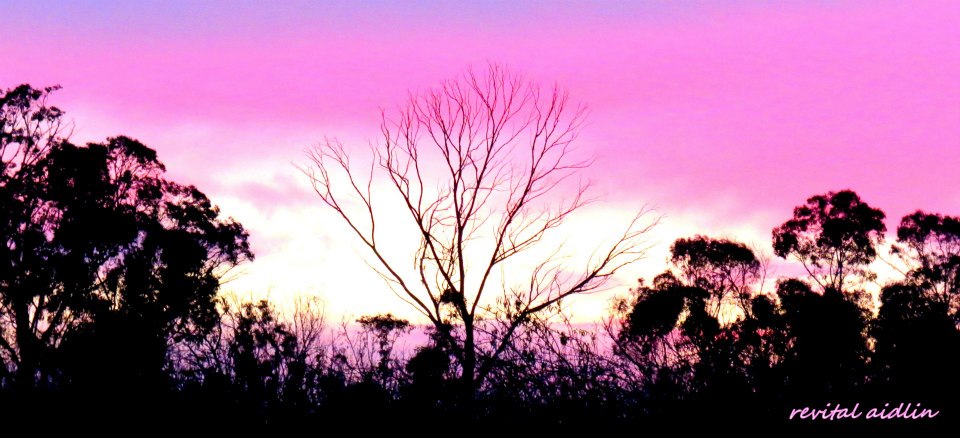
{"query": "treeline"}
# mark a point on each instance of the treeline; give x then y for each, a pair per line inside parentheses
(110, 312)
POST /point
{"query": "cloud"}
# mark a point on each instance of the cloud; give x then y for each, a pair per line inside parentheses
(724, 117)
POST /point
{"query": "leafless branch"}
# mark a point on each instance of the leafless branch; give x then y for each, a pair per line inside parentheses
(476, 166)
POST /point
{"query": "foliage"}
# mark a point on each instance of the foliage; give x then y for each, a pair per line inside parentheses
(110, 303)
(834, 236)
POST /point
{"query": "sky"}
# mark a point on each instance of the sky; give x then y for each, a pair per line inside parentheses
(721, 115)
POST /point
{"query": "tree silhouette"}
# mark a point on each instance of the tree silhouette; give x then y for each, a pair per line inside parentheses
(110, 272)
(916, 340)
(763, 342)
(674, 332)
(28, 129)
(728, 270)
(827, 341)
(103, 254)
(471, 167)
(930, 243)
(386, 328)
(834, 236)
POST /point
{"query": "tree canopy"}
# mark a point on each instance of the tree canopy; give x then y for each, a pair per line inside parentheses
(834, 235)
(100, 247)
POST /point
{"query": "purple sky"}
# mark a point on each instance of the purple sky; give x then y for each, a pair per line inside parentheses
(724, 116)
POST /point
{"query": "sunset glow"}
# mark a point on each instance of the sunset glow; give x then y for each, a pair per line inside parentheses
(722, 118)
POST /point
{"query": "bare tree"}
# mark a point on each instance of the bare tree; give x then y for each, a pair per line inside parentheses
(477, 165)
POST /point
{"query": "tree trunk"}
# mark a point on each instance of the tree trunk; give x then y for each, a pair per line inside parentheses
(26, 344)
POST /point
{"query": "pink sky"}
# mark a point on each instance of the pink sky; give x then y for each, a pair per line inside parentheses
(724, 116)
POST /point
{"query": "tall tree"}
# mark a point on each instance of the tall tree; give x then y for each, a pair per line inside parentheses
(159, 254)
(102, 252)
(686, 311)
(29, 127)
(930, 244)
(472, 167)
(834, 236)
